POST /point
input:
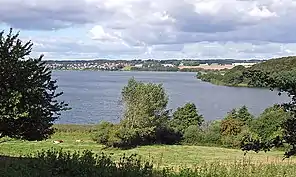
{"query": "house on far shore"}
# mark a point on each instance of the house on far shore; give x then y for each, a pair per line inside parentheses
(168, 65)
(204, 64)
(244, 64)
(138, 65)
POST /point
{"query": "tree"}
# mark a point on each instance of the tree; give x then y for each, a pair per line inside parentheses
(186, 116)
(268, 125)
(244, 115)
(283, 82)
(145, 105)
(231, 126)
(28, 98)
(234, 126)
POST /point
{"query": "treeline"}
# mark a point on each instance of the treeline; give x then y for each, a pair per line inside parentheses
(167, 69)
(155, 68)
(147, 121)
(186, 62)
(238, 76)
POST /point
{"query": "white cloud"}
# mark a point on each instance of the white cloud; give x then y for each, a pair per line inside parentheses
(157, 28)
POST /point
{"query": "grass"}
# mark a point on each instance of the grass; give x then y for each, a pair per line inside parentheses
(160, 155)
(127, 68)
(64, 164)
(167, 160)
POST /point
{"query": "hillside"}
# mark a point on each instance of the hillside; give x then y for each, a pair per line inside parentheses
(235, 77)
(276, 65)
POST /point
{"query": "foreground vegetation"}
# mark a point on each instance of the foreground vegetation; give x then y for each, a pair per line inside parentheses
(163, 160)
(58, 163)
(161, 155)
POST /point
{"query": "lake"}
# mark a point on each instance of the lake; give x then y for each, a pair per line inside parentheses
(95, 95)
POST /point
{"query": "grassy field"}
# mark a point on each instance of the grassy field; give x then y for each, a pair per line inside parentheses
(172, 156)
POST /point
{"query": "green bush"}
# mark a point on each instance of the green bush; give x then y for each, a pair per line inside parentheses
(102, 133)
(167, 135)
(193, 135)
(268, 125)
(212, 133)
(207, 134)
(116, 136)
(119, 137)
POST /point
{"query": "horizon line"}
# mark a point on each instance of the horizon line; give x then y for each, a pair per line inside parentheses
(82, 59)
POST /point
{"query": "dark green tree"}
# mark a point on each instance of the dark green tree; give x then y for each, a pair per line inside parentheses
(268, 125)
(186, 116)
(282, 82)
(28, 98)
(244, 115)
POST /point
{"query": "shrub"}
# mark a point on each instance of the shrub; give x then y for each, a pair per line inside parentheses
(186, 116)
(212, 133)
(207, 134)
(56, 163)
(193, 135)
(102, 133)
(268, 125)
(120, 137)
(167, 135)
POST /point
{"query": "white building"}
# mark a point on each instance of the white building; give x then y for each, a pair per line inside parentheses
(168, 65)
(244, 64)
(139, 65)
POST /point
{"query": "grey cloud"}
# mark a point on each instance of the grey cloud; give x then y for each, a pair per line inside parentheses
(165, 26)
(49, 14)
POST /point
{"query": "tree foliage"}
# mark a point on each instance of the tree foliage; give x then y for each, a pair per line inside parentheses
(282, 82)
(234, 126)
(268, 125)
(186, 116)
(145, 120)
(236, 76)
(145, 105)
(28, 98)
(235, 120)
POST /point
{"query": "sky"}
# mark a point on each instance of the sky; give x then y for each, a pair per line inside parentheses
(159, 29)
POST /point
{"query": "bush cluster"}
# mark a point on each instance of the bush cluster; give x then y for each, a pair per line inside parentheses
(113, 135)
(237, 126)
(146, 119)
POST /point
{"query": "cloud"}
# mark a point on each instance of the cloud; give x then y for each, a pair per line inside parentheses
(155, 28)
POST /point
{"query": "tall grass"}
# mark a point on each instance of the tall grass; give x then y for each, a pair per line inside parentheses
(70, 128)
(87, 164)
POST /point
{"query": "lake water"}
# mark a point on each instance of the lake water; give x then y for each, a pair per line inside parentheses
(95, 96)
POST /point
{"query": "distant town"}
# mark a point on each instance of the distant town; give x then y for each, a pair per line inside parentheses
(150, 64)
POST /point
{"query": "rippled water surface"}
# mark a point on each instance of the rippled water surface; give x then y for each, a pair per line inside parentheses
(95, 96)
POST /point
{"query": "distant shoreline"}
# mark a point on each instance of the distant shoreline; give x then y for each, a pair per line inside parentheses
(120, 70)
